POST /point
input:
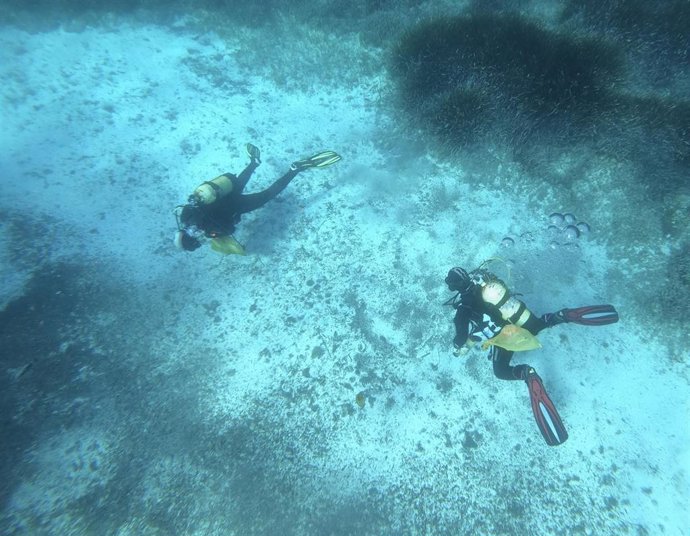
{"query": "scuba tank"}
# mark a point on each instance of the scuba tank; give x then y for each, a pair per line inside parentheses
(209, 191)
(495, 292)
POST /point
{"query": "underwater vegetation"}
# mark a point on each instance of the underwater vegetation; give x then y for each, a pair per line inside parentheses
(340, 13)
(671, 303)
(470, 78)
(663, 27)
(501, 80)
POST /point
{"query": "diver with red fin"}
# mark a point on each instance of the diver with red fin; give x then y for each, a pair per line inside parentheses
(484, 306)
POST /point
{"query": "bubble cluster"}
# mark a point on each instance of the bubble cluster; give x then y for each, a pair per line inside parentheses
(563, 229)
(571, 232)
(565, 226)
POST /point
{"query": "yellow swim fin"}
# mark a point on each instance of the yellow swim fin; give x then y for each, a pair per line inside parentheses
(513, 338)
(227, 245)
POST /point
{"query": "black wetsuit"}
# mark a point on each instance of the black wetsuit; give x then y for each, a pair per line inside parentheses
(470, 320)
(220, 217)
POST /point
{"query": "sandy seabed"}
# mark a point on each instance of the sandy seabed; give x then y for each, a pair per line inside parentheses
(309, 387)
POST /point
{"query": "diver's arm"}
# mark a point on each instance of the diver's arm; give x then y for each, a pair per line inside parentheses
(462, 326)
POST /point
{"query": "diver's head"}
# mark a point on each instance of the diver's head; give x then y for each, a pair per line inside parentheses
(458, 280)
(185, 241)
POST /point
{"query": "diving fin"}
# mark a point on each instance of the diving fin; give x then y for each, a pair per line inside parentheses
(323, 159)
(254, 153)
(548, 420)
(591, 315)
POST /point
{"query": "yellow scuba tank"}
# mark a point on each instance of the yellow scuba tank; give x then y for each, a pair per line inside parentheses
(207, 192)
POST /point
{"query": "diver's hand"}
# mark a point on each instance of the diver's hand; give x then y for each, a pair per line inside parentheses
(460, 351)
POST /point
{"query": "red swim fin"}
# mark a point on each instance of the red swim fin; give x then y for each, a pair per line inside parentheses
(548, 420)
(592, 315)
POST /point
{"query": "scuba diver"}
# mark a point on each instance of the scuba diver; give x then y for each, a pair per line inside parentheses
(216, 206)
(486, 311)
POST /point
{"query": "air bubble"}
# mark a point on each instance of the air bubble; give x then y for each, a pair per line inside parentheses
(571, 232)
(556, 218)
(507, 242)
(569, 218)
(583, 227)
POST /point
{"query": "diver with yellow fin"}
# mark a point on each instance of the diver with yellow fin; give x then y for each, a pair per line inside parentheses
(487, 312)
(216, 206)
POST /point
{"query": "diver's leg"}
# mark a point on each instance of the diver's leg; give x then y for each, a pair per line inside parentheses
(249, 202)
(502, 369)
(535, 324)
(239, 182)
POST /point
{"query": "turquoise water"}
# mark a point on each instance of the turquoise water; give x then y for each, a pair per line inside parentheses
(310, 386)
